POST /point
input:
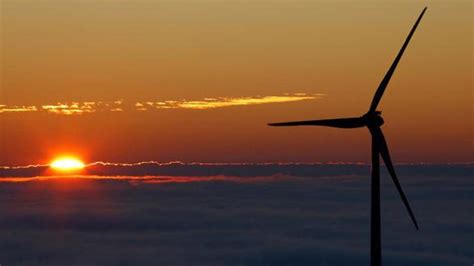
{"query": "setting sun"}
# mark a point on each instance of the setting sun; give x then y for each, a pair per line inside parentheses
(67, 164)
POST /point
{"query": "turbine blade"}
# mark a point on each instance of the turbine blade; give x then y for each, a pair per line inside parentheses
(383, 149)
(354, 122)
(386, 79)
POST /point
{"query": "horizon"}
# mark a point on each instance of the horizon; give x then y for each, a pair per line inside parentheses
(178, 172)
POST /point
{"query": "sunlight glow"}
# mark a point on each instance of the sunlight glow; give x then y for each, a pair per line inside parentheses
(67, 164)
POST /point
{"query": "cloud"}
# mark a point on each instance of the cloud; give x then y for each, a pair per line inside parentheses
(211, 103)
(136, 180)
(87, 107)
(293, 221)
(71, 109)
(17, 109)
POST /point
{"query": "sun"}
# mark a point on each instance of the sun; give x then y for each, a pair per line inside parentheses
(67, 164)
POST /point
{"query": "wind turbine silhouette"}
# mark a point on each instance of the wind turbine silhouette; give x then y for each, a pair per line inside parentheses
(373, 121)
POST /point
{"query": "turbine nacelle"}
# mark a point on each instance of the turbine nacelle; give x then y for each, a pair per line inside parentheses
(373, 119)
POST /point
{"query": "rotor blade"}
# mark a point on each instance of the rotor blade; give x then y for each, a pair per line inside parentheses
(340, 123)
(386, 79)
(383, 149)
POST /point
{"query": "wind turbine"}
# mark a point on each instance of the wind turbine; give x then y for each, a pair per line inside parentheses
(373, 121)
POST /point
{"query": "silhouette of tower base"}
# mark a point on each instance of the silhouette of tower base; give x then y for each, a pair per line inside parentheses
(375, 238)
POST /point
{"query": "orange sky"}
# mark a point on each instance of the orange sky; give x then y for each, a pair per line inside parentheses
(332, 54)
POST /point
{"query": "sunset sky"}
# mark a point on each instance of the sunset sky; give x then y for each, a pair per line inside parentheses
(197, 81)
(135, 132)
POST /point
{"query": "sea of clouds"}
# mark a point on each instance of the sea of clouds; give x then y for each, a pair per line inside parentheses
(289, 217)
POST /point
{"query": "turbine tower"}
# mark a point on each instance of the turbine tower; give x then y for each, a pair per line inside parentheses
(373, 121)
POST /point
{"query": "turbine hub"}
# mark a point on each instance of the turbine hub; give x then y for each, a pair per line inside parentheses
(373, 119)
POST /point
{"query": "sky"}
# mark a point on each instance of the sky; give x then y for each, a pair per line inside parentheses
(197, 81)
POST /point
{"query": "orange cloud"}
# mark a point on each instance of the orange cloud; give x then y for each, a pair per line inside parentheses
(70, 109)
(211, 103)
(78, 108)
(136, 180)
(16, 109)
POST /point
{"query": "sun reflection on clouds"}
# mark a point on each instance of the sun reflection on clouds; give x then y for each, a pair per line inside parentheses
(219, 102)
(137, 180)
(71, 109)
(16, 109)
(87, 107)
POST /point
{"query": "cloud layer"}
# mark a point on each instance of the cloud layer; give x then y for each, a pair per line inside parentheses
(289, 221)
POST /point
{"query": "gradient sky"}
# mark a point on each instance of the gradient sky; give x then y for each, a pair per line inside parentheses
(253, 62)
